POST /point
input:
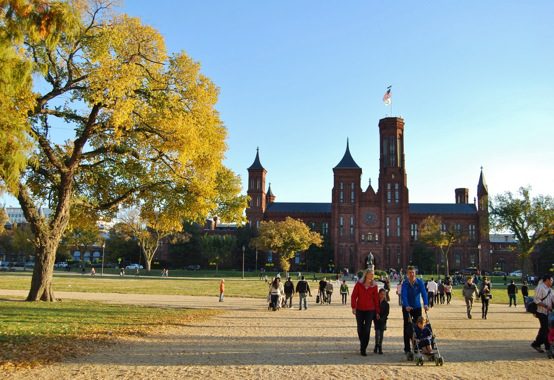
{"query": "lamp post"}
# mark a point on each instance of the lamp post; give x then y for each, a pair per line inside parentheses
(103, 247)
(479, 257)
(243, 262)
(256, 259)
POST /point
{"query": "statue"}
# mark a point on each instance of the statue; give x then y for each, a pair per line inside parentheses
(370, 261)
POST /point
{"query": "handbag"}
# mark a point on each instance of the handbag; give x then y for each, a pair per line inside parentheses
(530, 304)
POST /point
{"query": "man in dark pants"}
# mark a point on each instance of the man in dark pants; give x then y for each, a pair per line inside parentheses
(412, 290)
(512, 290)
(544, 300)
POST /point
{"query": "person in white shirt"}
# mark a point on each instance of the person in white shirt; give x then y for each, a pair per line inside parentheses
(544, 298)
(432, 289)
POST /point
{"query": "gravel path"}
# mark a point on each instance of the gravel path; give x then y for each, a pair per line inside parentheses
(249, 342)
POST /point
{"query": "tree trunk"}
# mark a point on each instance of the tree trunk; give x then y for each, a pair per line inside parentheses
(41, 283)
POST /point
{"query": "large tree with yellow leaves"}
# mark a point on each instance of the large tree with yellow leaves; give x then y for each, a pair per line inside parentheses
(143, 124)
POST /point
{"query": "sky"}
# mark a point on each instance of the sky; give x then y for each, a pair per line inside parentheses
(472, 80)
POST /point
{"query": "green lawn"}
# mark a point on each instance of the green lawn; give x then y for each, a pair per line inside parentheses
(34, 333)
(142, 285)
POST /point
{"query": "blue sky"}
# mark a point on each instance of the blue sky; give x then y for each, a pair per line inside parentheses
(473, 81)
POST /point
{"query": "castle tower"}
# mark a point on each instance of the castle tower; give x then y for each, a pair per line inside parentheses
(270, 197)
(256, 192)
(462, 195)
(345, 211)
(485, 258)
(393, 193)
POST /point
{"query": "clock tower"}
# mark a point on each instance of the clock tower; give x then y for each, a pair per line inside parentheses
(393, 194)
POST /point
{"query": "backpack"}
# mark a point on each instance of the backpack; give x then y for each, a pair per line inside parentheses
(289, 287)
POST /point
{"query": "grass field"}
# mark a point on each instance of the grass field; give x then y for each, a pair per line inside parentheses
(35, 333)
(142, 285)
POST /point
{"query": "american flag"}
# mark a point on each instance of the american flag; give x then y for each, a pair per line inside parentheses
(387, 97)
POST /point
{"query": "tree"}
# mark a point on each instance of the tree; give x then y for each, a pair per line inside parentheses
(149, 229)
(286, 238)
(82, 231)
(531, 220)
(3, 219)
(146, 132)
(120, 245)
(424, 258)
(433, 234)
(217, 249)
(23, 241)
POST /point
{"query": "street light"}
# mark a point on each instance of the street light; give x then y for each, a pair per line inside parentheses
(479, 257)
(243, 262)
(103, 246)
(256, 268)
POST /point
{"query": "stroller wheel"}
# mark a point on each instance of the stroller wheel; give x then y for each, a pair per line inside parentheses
(441, 361)
(419, 361)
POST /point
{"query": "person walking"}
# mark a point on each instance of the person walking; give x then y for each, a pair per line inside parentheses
(321, 293)
(441, 292)
(524, 291)
(344, 291)
(413, 291)
(432, 289)
(303, 289)
(381, 323)
(275, 293)
(399, 291)
(486, 295)
(544, 298)
(469, 291)
(289, 292)
(448, 290)
(365, 306)
(329, 291)
(221, 290)
(512, 291)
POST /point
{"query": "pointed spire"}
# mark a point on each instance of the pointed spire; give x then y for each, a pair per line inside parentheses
(482, 188)
(347, 161)
(256, 164)
(270, 196)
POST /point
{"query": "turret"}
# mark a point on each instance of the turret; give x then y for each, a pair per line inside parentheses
(256, 192)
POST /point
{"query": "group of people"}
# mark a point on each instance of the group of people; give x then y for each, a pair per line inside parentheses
(281, 295)
(370, 305)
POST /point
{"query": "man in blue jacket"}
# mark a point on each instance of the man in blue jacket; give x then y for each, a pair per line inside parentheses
(412, 290)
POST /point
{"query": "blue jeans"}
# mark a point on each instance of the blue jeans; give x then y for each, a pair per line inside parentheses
(303, 298)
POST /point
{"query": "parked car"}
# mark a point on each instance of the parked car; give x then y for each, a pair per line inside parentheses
(62, 264)
(516, 273)
(134, 267)
(5, 266)
(499, 273)
(30, 264)
(468, 271)
(193, 267)
(17, 266)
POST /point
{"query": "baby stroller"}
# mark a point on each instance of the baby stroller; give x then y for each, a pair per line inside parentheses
(550, 337)
(420, 340)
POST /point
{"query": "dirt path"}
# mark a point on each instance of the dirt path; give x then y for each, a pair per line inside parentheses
(250, 342)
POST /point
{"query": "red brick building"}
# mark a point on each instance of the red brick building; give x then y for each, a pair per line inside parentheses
(381, 221)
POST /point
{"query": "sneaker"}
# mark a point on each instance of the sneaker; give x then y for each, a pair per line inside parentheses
(537, 348)
(363, 353)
